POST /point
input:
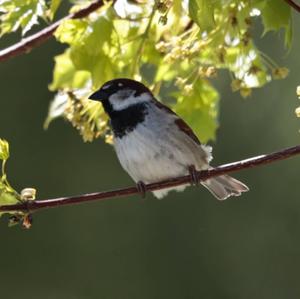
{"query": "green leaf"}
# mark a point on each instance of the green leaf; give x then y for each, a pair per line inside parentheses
(20, 14)
(165, 72)
(53, 8)
(57, 108)
(4, 149)
(199, 108)
(202, 13)
(276, 14)
(7, 198)
(8, 195)
(71, 31)
(125, 42)
(65, 75)
(288, 38)
(88, 53)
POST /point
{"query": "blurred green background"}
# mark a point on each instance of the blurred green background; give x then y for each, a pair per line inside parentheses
(188, 245)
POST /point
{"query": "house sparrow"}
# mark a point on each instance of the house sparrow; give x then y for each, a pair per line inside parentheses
(153, 143)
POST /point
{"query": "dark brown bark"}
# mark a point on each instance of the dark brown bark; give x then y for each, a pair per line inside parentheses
(36, 205)
(293, 4)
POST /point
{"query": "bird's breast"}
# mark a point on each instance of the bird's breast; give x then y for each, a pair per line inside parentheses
(155, 149)
(148, 155)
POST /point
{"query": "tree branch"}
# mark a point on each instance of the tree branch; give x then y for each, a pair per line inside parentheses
(35, 40)
(28, 43)
(32, 206)
(293, 4)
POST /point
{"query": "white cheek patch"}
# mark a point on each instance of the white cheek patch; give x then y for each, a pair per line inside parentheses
(121, 100)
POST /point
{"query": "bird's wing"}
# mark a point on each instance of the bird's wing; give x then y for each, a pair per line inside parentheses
(181, 124)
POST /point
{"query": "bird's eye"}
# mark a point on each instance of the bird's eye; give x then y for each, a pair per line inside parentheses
(120, 84)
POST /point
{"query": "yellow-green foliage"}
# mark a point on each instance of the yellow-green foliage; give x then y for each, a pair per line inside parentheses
(173, 46)
(20, 14)
(7, 194)
(170, 45)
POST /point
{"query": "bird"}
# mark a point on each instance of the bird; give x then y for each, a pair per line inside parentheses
(153, 143)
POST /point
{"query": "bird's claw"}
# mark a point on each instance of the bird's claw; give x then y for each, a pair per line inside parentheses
(142, 189)
(194, 175)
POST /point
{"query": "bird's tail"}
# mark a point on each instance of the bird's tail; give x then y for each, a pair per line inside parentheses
(224, 186)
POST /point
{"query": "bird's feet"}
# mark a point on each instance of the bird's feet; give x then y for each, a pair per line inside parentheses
(142, 189)
(194, 175)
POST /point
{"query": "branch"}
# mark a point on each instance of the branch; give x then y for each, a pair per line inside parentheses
(32, 206)
(35, 40)
(293, 4)
(28, 43)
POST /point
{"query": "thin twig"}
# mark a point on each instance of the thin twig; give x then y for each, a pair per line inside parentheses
(28, 43)
(35, 40)
(36, 205)
(143, 41)
(293, 4)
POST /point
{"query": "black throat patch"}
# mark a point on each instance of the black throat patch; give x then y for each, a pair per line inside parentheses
(124, 121)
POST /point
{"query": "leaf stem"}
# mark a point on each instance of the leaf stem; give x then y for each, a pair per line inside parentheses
(3, 168)
(144, 37)
(268, 60)
(4, 177)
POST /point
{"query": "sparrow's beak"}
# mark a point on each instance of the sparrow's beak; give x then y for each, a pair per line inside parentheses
(99, 95)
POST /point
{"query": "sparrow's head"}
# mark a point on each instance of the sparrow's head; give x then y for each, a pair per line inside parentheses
(119, 94)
